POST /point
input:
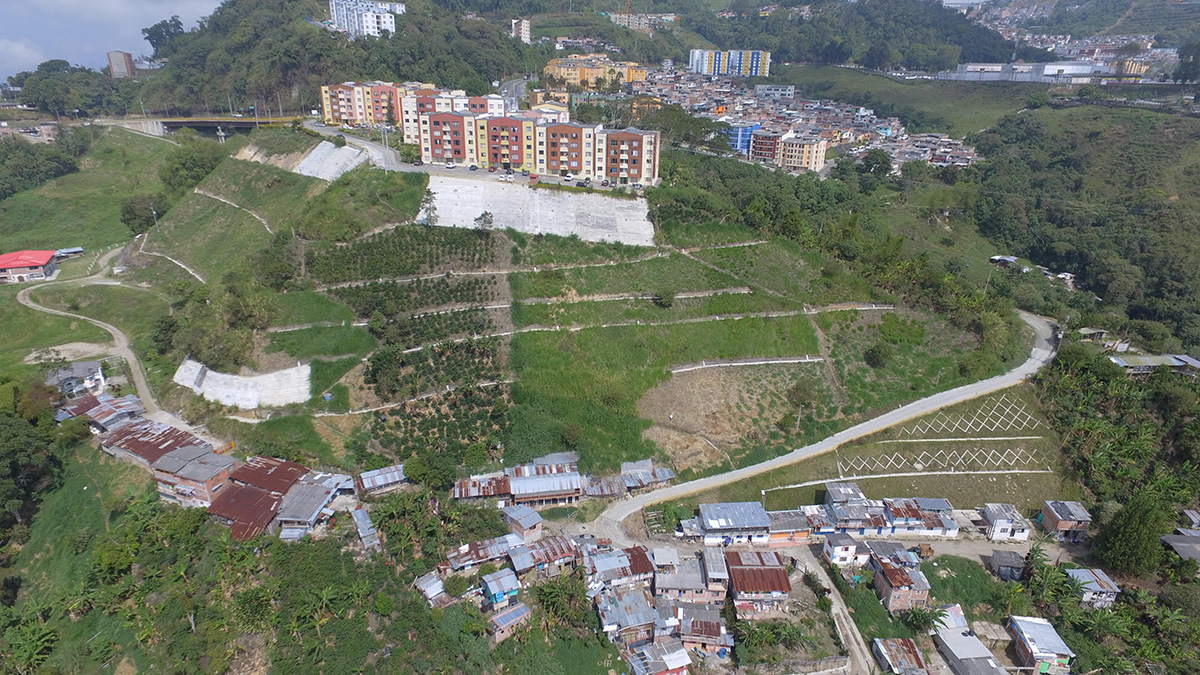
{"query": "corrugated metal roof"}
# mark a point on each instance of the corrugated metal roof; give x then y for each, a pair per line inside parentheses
(477, 553)
(734, 516)
(25, 259)
(1094, 580)
(430, 585)
(842, 492)
(501, 581)
(997, 512)
(1072, 511)
(639, 560)
(177, 459)
(510, 617)
(548, 485)
(481, 486)
(626, 608)
(251, 509)
(525, 517)
(901, 655)
(715, 567)
(933, 504)
(788, 521)
(659, 657)
(380, 479)
(531, 470)
(896, 575)
(304, 502)
(269, 473)
(1040, 635)
(149, 440)
(760, 580)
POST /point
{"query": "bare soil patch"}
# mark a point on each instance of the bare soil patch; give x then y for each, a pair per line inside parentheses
(74, 351)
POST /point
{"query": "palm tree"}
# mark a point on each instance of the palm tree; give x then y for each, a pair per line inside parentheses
(925, 619)
(29, 644)
(1012, 595)
(1035, 558)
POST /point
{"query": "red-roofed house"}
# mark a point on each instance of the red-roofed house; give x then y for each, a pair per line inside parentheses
(22, 266)
(759, 581)
(246, 510)
(143, 442)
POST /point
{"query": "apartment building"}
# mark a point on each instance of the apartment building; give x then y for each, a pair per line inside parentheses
(568, 148)
(802, 153)
(583, 70)
(415, 103)
(358, 18)
(734, 63)
(358, 103)
(520, 31)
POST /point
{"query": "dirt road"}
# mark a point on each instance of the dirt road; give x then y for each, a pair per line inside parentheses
(120, 341)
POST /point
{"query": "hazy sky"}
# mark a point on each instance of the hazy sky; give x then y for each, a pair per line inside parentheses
(82, 31)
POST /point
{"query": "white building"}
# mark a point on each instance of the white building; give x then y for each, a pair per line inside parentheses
(520, 31)
(364, 17)
(1005, 523)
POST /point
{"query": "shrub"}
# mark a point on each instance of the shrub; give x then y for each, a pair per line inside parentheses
(878, 355)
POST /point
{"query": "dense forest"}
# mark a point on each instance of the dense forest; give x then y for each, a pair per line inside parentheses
(1110, 197)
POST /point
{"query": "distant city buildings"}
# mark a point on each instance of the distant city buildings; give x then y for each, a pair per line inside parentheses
(589, 71)
(1056, 72)
(357, 18)
(734, 63)
(643, 23)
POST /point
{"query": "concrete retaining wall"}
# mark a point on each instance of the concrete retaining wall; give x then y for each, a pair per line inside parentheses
(246, 392)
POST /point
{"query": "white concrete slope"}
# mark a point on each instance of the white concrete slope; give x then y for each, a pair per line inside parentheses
(608, 523)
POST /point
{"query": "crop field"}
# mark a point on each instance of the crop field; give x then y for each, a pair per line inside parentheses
(361, 200)
(393, 299)
(26, 331)
(965, 107)
(783, 267)
(403, 251)
(398, 376)
(301, 307)
(84, 208)
(276, 195)
(209, 236)
(322, 341)
(663, 274)
(468, 423)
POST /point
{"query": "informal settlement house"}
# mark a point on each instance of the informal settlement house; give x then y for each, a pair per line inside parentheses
(1068, 521)
(1097, 590)
(1039, 646)
(966, 653)
(899, 588)
(1004, 522)
(687, 581)
(1008, 565)
(660, 658)
(900, 656)
(77, 379)
(191, 476)
(503, 624)
(734, 523)
(380, 481)
(842, 550)
(758, 581)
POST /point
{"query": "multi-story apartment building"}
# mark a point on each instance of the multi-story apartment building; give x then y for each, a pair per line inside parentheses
(583, 70)
(363, 17)
(415, 103)
(735, 63)
(630, 156)
(764, 145)
(520, 31)
(802, 153)
(568, 148)
(359, 103)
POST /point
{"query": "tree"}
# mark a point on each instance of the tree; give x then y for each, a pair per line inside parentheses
(484, 221)
(1037, 99)
(140, 212)
(879, 56)
(878, 355)
(409, 153)
(876, 163)
(1188, 69)
(29, 645)
(456, 585)
(429, 207)
(188, 164)
(1130, 543)
(160, 34)
(664, 298)
(925, 619)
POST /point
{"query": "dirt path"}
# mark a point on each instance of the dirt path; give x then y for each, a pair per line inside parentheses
(860, 658)
(120, 341)
(257, 217)
(1128, 13)
(840, 398)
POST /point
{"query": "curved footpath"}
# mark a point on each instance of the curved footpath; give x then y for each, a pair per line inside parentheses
(608, 524)
(120, 341)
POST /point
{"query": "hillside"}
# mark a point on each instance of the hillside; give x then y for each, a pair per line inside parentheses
(1172, 23)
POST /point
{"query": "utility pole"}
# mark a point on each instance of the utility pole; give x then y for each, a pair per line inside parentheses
(279, 99)
(155, 215)
(255, 109)
(230, 96)
(143, 108)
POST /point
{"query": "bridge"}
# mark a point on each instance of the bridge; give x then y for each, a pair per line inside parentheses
(160, 126)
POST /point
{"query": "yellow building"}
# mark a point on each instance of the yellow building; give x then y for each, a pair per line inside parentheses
(583, 70)
(802, 153)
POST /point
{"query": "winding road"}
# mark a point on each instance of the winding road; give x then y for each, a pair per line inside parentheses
(120, 341)
(608, 524)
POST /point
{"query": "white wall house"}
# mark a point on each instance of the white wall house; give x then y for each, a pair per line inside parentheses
(363, 17)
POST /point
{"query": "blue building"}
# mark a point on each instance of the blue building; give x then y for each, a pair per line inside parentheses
(739, 137)
(499, 587)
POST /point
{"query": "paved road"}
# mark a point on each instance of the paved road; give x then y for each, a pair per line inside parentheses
(609, 522)
(512, 92)
(119, 340)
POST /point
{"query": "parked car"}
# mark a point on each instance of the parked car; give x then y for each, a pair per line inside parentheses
(418, 163)
(637, 186)
(569, 177)
(491, 169)
(449, 165)
(604, 183)
(524, 172)
(473, 167)
(582, 184)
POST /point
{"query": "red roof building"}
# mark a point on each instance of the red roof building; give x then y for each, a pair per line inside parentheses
(759, 581)
(22, 266)
(270, 474)
(246, 510)
(144, 442)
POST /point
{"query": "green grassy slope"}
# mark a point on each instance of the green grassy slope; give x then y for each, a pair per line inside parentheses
(84, 208)
(209, 236)
(26, 331)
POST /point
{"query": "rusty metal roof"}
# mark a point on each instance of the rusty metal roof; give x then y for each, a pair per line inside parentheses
(269, 473)
(639, 561)
(251, 509)
(752, 559)
(897, 577)
(902, 656)
(150, 440)
(483, 486)
(760, 580)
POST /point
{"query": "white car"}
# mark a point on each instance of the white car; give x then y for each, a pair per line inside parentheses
(449, 165)
(569, 177)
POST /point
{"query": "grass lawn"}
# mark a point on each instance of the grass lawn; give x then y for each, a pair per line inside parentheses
(303, 307)
(614, 311)
(323, 341)
(278, 196)
(674, 273)
(688, 235)
(291, 437)
(26, 330)
(282, 141)
(579, 390)
(361, 200)
(577, 656)
(133, 310)
(966, 582)
(84, 208)
(545, 249)
(209, 236)
(782, 266)
(963, 107)
(326, 373)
